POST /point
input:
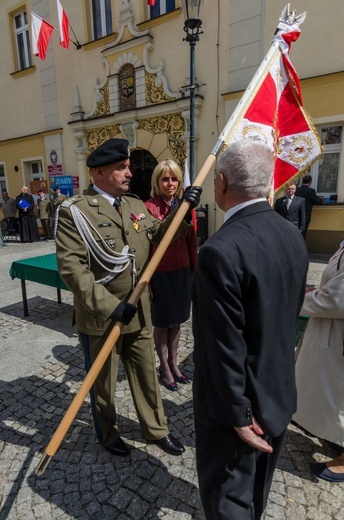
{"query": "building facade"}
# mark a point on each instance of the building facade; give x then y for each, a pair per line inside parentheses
(126, 74)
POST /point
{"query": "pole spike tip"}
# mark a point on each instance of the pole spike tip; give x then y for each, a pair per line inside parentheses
(43, 463)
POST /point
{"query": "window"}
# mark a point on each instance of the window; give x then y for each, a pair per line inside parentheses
(101, 18)
(161, 7)
(325, 172)
(22, 40)
(2, 181)
(37, 171)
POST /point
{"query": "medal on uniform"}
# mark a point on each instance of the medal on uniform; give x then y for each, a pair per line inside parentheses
(135, 218)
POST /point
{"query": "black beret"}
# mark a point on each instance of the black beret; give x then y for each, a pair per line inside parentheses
(112, 151)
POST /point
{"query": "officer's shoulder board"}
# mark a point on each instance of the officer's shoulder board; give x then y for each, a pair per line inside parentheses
(132, 195)
(72, 200)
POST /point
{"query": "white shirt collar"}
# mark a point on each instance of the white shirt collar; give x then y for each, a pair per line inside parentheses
(238, 207)
(106, 196)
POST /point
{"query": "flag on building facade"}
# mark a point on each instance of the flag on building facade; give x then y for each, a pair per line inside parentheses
(63, 26)
(41, 34)
(276, 117)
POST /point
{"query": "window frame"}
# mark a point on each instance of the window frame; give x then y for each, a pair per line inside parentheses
(104, 19)
(328, 149)
(162, 6)
(21, 49)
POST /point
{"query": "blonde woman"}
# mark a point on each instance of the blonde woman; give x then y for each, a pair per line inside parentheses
(171, 282)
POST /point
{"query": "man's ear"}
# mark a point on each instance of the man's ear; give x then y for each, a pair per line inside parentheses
(97, 171)
(223, 184)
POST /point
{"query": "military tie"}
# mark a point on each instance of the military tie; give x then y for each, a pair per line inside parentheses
(117, 204)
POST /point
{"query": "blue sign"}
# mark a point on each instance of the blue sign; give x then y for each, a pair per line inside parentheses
(64, 182)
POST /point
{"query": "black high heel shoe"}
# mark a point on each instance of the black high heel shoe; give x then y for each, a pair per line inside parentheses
(169, 386)
(183, 379)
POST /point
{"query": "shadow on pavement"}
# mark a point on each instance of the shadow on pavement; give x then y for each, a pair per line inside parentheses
(83, 480)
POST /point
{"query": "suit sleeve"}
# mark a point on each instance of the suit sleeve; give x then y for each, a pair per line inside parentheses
(328, 301)
(220, 344)
(302, 215)
(73, 266)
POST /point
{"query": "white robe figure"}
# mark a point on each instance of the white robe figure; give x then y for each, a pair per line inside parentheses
(320, 363)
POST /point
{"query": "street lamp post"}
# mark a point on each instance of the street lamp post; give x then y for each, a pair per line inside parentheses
(192, 25)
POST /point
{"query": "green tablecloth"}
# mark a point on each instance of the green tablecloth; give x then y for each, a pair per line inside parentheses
(40, 269)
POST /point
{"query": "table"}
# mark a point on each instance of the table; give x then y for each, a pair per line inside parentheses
(40, 269)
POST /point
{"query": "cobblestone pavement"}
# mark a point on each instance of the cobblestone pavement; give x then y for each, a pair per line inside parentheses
(40, 372)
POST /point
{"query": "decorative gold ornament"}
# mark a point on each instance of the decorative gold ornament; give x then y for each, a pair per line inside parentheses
(97, 136)
(155, 94)
(103, 106)
(173, 126)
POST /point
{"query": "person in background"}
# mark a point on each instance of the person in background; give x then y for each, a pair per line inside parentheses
(320, 365)
(102, 245)
(292, 208)
(44, 214)
(9, 209)
(58, 198)
(27, 220)
(309, 194)
(171, 282)
(247, 291)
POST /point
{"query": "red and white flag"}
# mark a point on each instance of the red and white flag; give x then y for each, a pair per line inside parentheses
(151, 2)
(41, 34)
(276, 117)
(63, 26)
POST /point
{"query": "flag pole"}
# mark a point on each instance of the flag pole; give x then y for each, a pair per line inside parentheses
(111, 340)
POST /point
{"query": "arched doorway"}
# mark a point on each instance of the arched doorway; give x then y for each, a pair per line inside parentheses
(142, 164)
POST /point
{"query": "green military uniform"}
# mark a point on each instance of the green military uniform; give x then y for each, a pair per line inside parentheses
(44, 214)
(95, 302)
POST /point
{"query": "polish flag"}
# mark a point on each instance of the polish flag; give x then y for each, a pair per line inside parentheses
(41, 34)
(63, 26)
(276, 117)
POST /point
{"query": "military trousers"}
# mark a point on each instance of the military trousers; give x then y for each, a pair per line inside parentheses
(136, 352)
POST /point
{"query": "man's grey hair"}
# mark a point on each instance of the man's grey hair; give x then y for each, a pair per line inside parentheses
(247, 167)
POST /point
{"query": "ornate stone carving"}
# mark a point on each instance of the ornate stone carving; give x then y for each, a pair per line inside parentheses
(97, 136)
(155, 94)
(174, 126)
(103, 102)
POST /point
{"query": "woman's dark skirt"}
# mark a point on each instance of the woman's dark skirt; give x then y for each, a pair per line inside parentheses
(171, 297)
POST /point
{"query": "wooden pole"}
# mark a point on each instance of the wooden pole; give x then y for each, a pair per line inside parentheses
(111, 340)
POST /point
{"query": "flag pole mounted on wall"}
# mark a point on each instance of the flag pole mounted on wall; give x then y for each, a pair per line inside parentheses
(239, 126)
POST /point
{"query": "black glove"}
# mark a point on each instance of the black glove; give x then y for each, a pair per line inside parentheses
(124, 313)
(192, 194)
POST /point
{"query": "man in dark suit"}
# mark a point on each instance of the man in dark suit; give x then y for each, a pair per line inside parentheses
(309, 194)
(292, 208)
(248, 289)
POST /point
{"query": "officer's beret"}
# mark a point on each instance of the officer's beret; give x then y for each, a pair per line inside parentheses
(112, 151)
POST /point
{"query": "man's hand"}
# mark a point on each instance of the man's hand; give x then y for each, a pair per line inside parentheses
(252, 435)
(192, 194)
(124, 313)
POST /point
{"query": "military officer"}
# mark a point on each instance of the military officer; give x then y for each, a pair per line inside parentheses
(44, 213)
(102, 242)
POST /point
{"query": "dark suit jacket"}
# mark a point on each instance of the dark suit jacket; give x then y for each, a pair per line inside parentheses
(311, 198)
(247, 292)
(296, 213)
